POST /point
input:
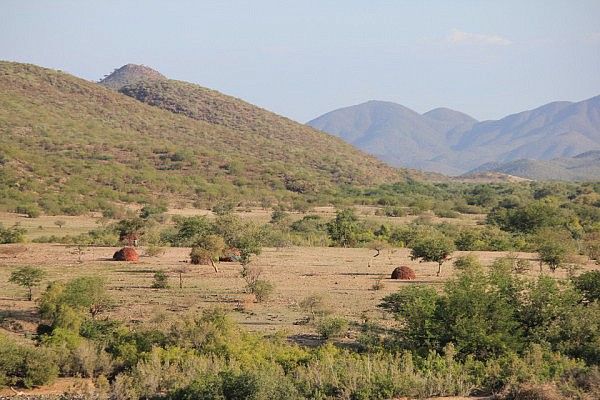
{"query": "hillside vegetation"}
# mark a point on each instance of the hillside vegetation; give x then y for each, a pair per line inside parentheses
(68, 145)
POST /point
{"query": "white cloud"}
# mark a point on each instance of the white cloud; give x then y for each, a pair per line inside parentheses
(459, 37)
(593, 38)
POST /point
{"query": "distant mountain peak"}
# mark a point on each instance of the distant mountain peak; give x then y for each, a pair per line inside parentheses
(129, 74)
(443, 113)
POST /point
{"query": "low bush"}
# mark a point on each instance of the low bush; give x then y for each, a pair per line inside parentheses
(261, 289)
(161, 280)
(25, 366)
(332, 327)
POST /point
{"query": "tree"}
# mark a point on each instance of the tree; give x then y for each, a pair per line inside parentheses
(434, 248)
(60, 223)
(130, 230)
(27, 277)
(247, 237)
(190, 230)
(346, 230)
(591, 246)
(65, 305)
(208, 249)
(530, 217)
(554, 248)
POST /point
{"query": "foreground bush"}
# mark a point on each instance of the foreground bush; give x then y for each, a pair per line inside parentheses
(25, 366)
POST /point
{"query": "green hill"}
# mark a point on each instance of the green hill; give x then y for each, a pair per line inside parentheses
(69, 145)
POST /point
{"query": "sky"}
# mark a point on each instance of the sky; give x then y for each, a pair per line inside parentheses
(304, 58)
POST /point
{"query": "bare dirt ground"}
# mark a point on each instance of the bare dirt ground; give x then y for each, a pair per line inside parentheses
(341, 276)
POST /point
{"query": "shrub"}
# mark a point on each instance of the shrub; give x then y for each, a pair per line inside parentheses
(154, 251)
(161, 280)
(261, 289)
(314, 305)
(65, 305)
(394, 211)
(30, 211)
(332, 327)
(223, 208)
(14, 234)
(24, 365)
(378, 284)
(588, 284)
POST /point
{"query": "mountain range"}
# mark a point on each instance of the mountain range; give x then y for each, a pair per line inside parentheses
(451, 142)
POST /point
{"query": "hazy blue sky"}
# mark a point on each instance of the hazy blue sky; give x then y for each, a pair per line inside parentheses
(303, 58)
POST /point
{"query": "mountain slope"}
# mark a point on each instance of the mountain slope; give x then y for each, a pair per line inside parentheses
(66, 142)
(559, 129)
(378, 127)
(452, 123)
(582, 167)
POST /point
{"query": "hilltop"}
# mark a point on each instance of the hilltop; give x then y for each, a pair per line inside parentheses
(447, 141)
(70, 145)
(129, 74)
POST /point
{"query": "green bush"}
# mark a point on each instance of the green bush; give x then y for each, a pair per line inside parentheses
(261, 289)
(161, 280)
(332, 327)
(588, 284)
(25, 366)
(30, 210)
(14, 234)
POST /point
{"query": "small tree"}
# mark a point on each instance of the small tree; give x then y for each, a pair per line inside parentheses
(60, 223)
(207, 250)
(161, 280)
(279, 217)
(346, 230)
(378, 246)
(432, 249)
(79, 250)
(554, 248)
(130, 230)
(27, 277)
(588, 283)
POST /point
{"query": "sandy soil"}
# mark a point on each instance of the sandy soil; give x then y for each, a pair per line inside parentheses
(342, 277)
